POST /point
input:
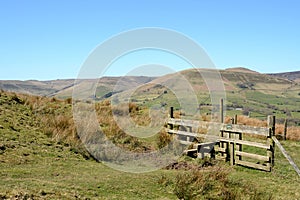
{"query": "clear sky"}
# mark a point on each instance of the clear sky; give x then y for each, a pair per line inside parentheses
(50, 39)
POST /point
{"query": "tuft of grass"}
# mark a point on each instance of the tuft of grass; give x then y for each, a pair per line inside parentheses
(164, 139)
(212, 183)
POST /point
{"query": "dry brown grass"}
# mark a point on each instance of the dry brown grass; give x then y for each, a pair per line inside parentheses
(247, 121)
(164, 139)
(293, 132)
(54, 118)
(113, 132)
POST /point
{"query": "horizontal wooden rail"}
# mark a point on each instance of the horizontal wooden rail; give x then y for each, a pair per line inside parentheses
(219, 139)
(248, 143)
(253, 165)
(251, 155)
(185, 142)
(220, 149)
(185, 133)
(263, 131)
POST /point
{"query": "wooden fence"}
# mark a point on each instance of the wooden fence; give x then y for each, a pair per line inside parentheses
(227, 141)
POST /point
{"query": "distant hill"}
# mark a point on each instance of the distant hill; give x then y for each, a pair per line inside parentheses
(42, 88)
(293, 76)
(248, 92)
(241, 69)
(63, 88)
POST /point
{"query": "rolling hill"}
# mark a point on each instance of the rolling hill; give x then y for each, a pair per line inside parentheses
(293, 76)
(248, 92)
(63, 88)
(41, 157)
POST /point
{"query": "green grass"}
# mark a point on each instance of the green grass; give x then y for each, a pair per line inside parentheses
(35, 164)
(70, 176)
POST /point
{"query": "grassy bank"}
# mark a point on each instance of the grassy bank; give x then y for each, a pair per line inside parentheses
(42, 158)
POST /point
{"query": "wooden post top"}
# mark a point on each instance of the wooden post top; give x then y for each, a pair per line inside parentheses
(271, 123)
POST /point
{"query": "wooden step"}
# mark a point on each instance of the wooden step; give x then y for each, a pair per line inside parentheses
(254, 156)
(191, 152)
(253, 165)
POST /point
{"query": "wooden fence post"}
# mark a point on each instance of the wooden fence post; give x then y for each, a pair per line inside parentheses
(223, 144)
(235, 119)
(240, 137)
(171, 116)
(271, 152)
(171, 112)
(222, 111)
(232, 153)
(273, 142)
(285, 129)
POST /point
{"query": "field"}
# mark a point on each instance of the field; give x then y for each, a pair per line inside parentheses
(42, 158)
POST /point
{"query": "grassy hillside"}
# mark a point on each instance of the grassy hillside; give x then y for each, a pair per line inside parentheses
(63, 88)
(42, 88)
(42, 158)
(247, 92)
(294, 76)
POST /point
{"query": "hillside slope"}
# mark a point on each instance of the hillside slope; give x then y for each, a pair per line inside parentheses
(294, 76)
(247, 92)
(63, 88)
(40, 157)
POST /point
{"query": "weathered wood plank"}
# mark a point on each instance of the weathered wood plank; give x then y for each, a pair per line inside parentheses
(219, 139)
(205, 144)
(222, 111)
(285, 129)
(186, 122)
(254, 144)
(185, 142)
(239, 146)
(263, 131)
(189, 134)
(220, 157)
(220, 149)
(183, 133)
(253, 165)
(232, 156)
(286, 155)
(254, 156)
(191, 152)
(204, 154)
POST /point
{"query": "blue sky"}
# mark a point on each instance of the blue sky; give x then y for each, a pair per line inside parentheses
(51, 39)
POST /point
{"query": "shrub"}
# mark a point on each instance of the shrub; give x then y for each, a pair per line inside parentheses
(212, 183)
(17, 99)
(53, 99)
(133, 107)
(198, 184)
(164, 139)
(68, 100)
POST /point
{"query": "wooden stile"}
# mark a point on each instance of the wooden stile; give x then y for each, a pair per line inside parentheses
(228, 143)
